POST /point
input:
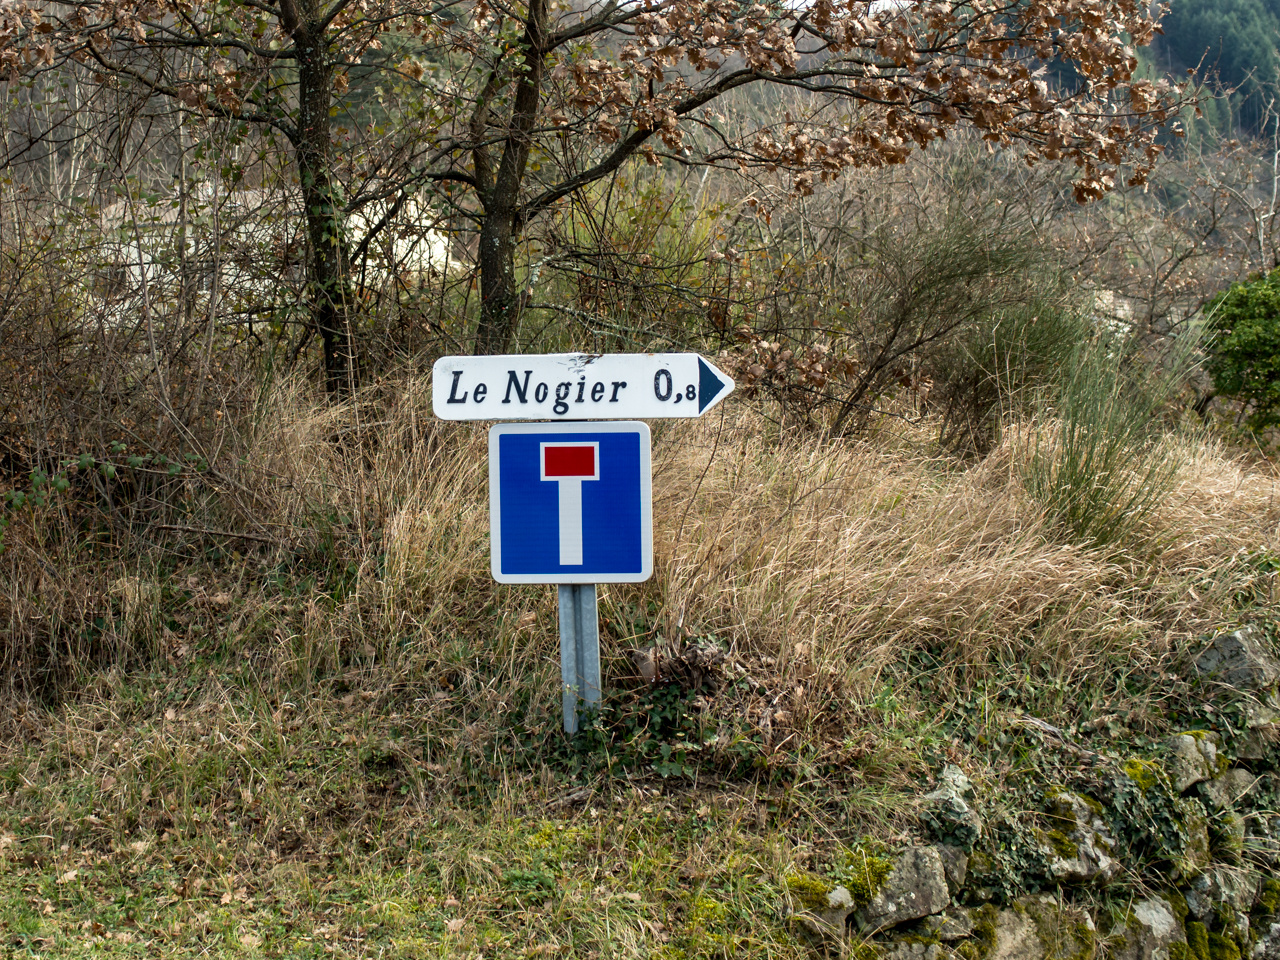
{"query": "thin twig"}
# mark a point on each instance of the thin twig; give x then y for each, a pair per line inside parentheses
(177, 528)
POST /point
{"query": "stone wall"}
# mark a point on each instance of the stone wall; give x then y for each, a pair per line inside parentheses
(1167, 856)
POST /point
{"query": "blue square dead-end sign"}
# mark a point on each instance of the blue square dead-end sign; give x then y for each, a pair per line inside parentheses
(570, 502)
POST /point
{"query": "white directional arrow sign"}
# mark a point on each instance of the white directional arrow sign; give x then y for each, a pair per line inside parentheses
(577, 386)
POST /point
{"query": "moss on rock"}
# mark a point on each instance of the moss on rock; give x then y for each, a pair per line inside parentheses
(1196, 856)
(707, 912)
(1220, 763)
(1145, 773)
(1061, 844)
(1087, 939)
(1228, 836)
(809, 891)
(1059, 794)
(1062, 930)
(982, 942)
(1222, 947)
(980, 863)
(1268, 898)
(1178, 903)
(927, 938)
(1094, 805)
(864, 872)
(1198, 940)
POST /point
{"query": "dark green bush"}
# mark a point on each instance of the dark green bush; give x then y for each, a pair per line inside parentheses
(1244, 337)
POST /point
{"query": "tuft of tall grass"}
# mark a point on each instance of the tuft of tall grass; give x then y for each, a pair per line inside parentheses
(836, 560)
(988, 371)
(1095, 457)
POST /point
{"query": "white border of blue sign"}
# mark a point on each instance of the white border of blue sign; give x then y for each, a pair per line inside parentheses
(569, 430)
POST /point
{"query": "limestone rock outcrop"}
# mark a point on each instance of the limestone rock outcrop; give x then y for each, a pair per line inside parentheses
(1238, 659)
(1079, 840)
(916, 887)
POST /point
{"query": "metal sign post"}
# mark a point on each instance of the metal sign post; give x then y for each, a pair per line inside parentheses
(571, 502)
(579, 651)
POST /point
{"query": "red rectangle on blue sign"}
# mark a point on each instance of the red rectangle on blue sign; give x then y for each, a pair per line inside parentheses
(569, 460)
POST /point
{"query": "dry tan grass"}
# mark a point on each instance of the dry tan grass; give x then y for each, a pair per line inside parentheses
(846, 556)
(817, 557)
(812, 558)
(1220, 505)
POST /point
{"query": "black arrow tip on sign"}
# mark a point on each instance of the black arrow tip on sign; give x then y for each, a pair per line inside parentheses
(710, 384)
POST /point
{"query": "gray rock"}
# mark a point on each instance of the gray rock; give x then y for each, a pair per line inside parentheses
(1232, 887)
(915, 888)
(1041, 928)
(824, 929)
(1229, 789)
(948, 808)
(839, 906)
(1239, 659)
(1151, 929)
(1268, 945)
(913, 951)
(826, 940)
(1258, 741)
(1196, 857)
(954, 780)
(840, 898)
(1262, 728)
(949, 926)
(955, 864)
(1078, 827)
(1260, 712)
(1191, 758)
(1016, 937)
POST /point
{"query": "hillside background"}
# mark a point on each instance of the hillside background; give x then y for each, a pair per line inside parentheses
(1232, 43)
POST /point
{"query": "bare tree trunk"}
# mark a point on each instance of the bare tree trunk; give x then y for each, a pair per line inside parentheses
(330, 291)
(500, 301)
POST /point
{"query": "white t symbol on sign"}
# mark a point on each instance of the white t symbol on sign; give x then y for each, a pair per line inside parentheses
(568, 464)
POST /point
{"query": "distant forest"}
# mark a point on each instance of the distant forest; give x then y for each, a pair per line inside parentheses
(1234, 42)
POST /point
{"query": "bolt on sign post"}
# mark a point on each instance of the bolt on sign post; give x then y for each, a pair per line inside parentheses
(571, 501)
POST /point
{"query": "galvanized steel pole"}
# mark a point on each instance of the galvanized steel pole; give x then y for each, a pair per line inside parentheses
(579, 651)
